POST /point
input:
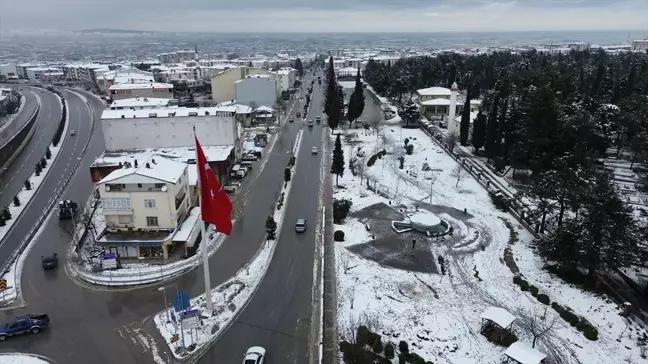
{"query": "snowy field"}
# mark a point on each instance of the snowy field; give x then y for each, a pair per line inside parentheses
(400, 290)
(21, 358)
(24, 196)
(228, 298)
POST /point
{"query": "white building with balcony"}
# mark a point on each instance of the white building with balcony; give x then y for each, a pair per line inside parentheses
(143, 203)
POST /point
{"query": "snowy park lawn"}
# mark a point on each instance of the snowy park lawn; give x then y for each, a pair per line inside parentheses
(439, 315)
(228, 299)
(21, 358)
(24, 196)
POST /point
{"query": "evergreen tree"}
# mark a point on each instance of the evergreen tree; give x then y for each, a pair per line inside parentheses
(331, 87)
(479, 131)
(43, 162)
(336, 112)
(409, 112)
(299, 67)
(48, 153)
(271, 227)
(492, 130)
(6, 214)
(16, 201)
(357, 100)
(39, 169)
(464, 127)
(28, 185)
(337, 165)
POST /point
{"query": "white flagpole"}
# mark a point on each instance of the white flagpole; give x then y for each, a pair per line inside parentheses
(203, 229)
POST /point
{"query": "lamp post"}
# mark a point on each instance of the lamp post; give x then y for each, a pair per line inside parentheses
(166, 303)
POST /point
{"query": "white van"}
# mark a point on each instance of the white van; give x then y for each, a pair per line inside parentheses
(246, 164)
(235, 170)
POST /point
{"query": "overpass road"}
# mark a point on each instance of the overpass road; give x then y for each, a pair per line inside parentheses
(13, 178)
(9, 130)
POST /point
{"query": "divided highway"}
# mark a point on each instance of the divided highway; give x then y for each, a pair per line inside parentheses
(23, 166)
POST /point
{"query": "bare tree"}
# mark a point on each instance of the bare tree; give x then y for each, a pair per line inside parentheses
(538, 323)
(375, 124)
(360, 168)
(460, 173)
(345, 261)
(452, 142)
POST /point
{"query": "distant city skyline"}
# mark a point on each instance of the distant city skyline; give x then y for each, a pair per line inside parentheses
(287, 16)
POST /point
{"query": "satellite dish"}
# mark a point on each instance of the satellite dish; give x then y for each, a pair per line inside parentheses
(163, 189)
(107, 188)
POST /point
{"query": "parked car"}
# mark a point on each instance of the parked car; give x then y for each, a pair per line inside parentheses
(314, 150)
(72, 132)
(298, 114)
(250, 156)
(230, 189)
(318, 119)
(291, 120)
(254, 355)
(33, 323)
(310, 123)
(50, 262)
(300, 225)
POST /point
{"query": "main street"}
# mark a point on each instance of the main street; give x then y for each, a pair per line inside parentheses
(105, 324)
(13, 179)
(278, 317)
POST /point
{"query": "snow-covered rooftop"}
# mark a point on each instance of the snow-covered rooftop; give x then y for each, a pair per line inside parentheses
(263, 109)
(184, 231)
(168, 112)
(434, 91)
(213, 153)
(524, 353)
(160, 168)
(499, 316)
(139, 86)
(139, 102)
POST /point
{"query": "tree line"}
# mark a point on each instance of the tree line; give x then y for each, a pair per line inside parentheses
(554, 117)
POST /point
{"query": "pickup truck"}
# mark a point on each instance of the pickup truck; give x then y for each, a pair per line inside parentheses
(33, 323)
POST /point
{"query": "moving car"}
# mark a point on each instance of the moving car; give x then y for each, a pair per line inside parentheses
(67, 209)
(300, 225)
(72, 132)
(310, 123)
(291, 120)
(50, 262)
(314, 150)
(33, 323)
(318, 119)
(254, 355)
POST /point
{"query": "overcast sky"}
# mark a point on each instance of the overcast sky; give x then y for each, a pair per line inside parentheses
(326, 15)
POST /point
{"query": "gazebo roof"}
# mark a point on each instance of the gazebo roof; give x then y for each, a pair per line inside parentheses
(499, 316)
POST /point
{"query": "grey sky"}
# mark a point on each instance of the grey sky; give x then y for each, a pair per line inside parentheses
(326, 15)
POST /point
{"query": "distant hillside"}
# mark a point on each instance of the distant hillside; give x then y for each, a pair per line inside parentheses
(114, 31)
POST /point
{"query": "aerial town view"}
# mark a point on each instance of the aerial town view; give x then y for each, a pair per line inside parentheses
(415, 182)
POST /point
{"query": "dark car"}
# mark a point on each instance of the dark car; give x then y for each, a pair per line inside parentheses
(50, 262)
(291, 120)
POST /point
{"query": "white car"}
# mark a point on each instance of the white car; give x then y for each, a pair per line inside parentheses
(314, 150)
(72, 132)
(254, 355)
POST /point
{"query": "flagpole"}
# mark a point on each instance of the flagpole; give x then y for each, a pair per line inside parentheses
(203, 230)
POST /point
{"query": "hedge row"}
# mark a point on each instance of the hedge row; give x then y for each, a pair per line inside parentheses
(369, 349)
(581, 324)
(373, 158)
(61, 126)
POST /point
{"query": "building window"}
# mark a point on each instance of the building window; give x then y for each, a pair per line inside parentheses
(160, 185)
(116, 204)
(151, 221)
(150, 204)
(139, 185)
(125, 219)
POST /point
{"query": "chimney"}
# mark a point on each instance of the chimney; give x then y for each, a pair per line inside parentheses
(135, 163)
(121, 165)
(452, 110)
(153, 160)
(148, 166)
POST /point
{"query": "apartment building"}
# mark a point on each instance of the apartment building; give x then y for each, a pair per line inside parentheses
(176, 57)
(640, 45)
(139, 103)
(141, 89)
(223, 84)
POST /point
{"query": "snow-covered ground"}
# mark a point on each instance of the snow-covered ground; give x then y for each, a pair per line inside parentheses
(13, 275)
(405, 297)
(21, 358)
(228, 298)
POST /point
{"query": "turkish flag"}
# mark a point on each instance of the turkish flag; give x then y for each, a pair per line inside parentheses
(215, 205)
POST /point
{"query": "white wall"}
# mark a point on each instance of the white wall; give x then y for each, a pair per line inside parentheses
(260, 90)
(9, 70)
(168, 132)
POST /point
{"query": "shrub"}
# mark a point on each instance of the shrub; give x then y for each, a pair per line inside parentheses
(2, 221)
(543, 298)
(409, 149)
(48, 153)
(556, 307)
(271, 227)
(287, 174)
(338, 235)
(341, 209)
(534, 290)
(590, 333)
(376, 344)
(402, 359)
(43, 162)
(406, 141)
(416, 359)
(385, 361)
(372, 160)
(524, 285)
(28, 185)
(38, 169)
(509, 339)
(499, 201)
(16, 201)
(6, 214)
(517, 280)
(389, 351)
(403, 347)
(363, 335)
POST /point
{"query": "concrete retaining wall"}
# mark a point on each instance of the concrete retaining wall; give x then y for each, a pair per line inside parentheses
(15, 145)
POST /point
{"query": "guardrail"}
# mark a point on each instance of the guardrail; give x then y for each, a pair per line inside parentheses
(53, 201)
(11, 148)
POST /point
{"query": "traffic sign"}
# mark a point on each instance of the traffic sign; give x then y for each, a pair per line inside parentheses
(181, 301)
(3, 284)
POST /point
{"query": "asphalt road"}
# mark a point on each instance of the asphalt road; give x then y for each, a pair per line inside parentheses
(10, 129)
(109, 326)
(23, 166)
(278, 316)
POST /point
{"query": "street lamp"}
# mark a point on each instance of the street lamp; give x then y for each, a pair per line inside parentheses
(166, 304)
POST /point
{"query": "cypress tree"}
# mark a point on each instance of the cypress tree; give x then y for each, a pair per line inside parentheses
(356, 102)
(337, 166)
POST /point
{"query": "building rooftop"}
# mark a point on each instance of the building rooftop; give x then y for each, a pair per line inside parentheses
(160, 168)
(213, 153)
(140, 86)
(167, 112)
(140, 102)
(434, 91)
